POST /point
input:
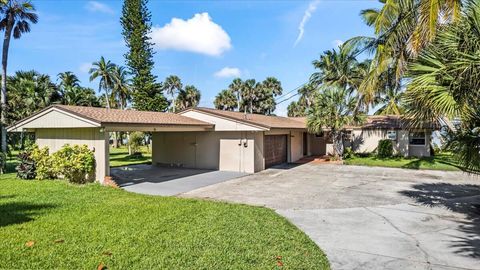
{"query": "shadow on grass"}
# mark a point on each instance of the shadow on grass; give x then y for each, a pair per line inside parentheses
(464, 199)
(20, 212)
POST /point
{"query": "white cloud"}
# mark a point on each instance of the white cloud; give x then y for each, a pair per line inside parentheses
(228, 72)
(337, 43)
(85, 67)
(306, 16)
(95, 6)
(198, 34)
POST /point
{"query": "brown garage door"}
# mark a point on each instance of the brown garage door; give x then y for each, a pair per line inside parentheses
(275, 150)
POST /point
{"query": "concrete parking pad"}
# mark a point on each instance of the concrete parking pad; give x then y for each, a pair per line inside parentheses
(166, 181)
(371, 217)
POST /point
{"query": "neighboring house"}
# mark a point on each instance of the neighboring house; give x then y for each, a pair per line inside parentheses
(364, 138)
(207, 138)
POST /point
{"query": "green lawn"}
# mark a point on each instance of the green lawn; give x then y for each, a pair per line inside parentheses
(119, 157)
(443, 162)
(54, 224)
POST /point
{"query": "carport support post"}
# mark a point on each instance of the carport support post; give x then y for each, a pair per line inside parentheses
(102, 156)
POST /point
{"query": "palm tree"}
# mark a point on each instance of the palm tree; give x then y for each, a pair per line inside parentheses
(17, 17)
(172, 85)
(333, 109)
(80, 96)
(121, 90)
(337, 68)
(226, 100)
(445, 79)
(391, 102)
(105, 71)
(68, 80)
(403, 28)
(249, 94)
(29, 92)
(236, 88)
(295, 109)
(188, 97)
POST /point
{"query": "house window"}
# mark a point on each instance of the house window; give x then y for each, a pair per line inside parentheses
(417, 138)
(392, 135)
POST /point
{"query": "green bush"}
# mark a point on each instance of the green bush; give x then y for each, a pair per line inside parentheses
(75, 163)
(135, 141)
(43, 163)
(348, 153)
(385, 149)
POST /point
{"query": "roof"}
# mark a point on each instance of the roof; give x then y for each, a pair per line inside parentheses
(392, 122)
(383, 122)
(266, 121)
(115, 116)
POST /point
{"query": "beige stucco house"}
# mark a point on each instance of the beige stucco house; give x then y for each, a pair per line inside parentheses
(206, 138)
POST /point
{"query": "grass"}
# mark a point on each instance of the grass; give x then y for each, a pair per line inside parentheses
(119, 157)
(54, 224)
(442, 162)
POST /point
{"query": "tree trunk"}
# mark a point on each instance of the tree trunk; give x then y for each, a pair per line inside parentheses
(3, 99)
(238, 100)
(173, 103)
(115, 140)
(128, 143)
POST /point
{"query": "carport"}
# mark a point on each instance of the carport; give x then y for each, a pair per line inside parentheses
(58, 125)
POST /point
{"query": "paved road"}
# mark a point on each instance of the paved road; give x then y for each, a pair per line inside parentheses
(371, 218)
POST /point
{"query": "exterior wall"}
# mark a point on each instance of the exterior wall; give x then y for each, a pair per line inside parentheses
(94, 138)
(221, 124)
(367, 141)
(226, 151)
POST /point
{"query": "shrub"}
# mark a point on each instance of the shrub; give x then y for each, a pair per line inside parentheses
(385, 149)
(348, 153)
(75, 163)
(135, 141)
(43, 163)
(26, 169)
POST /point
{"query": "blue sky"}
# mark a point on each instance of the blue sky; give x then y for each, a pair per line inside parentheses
(207, 44)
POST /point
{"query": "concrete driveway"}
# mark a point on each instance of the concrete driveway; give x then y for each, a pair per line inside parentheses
(166, 181)
(369, 217)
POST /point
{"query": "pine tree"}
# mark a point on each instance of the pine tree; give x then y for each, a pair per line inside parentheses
(135, 20)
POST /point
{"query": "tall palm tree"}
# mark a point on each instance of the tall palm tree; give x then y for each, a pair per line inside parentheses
(188, 97)
(391, 102)
(337, 68)
(121, 90)
(445, 79)
(16, 19)
(236, 88)
(105, 71)
(226, 100)
(172, 85)
(403, 28)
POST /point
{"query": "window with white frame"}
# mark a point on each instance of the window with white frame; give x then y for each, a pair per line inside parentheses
(417, 138)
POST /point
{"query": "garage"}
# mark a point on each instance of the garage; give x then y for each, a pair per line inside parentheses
(275, 150)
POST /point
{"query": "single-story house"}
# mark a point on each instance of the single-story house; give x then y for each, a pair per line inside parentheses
(206, 138)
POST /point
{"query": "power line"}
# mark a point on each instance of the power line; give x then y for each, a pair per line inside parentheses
(295, 89)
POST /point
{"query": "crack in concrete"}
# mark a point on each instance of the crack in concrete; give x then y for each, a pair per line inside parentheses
(417, 242)
(402, 259)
